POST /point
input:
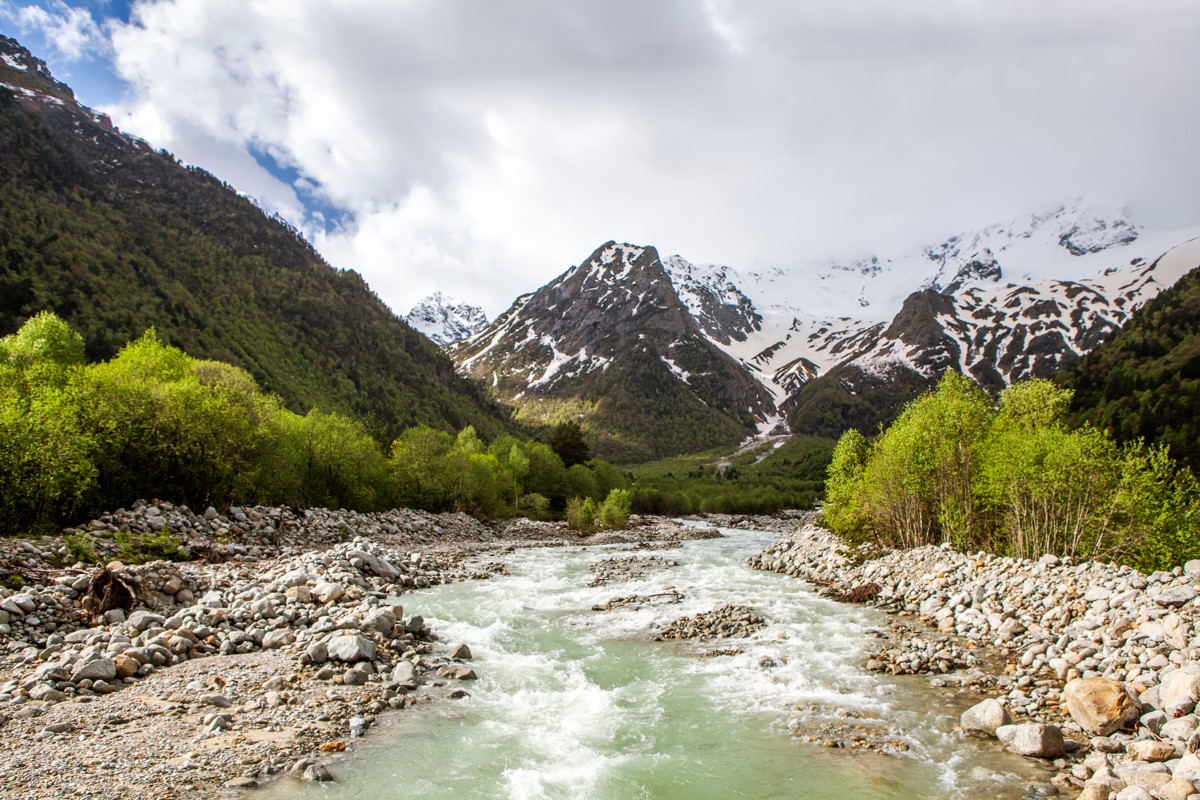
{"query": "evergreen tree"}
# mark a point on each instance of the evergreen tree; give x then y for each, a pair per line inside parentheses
(566, 439)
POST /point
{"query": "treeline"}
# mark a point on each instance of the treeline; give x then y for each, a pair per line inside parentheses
(77, 439)
(792, 475)
(1144, 383)
(1014, 479)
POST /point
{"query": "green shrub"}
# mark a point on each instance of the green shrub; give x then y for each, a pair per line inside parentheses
(140, 549)
(613, 513)
(581, 514)
(81, 547)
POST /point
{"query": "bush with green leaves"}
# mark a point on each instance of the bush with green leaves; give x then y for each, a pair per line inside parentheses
(613, 513)
(1013, 479)
(581, 514)
(80, 439)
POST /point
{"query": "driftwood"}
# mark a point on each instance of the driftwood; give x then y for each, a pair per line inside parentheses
(11, 569)
(111, 587)
(864, 593)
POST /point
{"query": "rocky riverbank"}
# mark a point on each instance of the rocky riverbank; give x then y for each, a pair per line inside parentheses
(272, 650)
(1098, 652)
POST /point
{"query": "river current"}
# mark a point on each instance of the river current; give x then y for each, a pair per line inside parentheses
(576, 703)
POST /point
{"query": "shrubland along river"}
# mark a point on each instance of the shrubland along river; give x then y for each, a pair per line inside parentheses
(576, 703)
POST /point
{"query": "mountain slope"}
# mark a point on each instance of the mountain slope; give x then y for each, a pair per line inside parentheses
(847, 344)
(611, 343)
(115, 238)
(1144, 382)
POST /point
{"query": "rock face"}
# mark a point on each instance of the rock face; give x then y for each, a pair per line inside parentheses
(1100, 706)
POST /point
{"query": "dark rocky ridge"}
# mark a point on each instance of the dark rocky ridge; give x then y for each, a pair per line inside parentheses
(611, 340)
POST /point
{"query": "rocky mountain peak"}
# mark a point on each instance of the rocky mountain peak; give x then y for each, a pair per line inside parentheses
(612, 338)
(444, 319)
(25, 73)
(711, 293)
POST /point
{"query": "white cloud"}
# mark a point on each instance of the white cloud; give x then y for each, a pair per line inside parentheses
(481, 148)
(73, 32)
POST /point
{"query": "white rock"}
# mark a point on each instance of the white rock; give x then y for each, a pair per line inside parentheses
(982, 719)
(350, 648)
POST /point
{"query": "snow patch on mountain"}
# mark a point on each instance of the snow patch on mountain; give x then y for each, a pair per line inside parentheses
(445, 320)
(1025, 295)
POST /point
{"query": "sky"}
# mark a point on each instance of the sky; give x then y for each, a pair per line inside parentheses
(481, 148)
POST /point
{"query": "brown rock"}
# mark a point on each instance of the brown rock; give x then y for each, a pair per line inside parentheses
(1100, 706)
(1176, 789)
(1150, 751)
(332, 747)
(127, 666)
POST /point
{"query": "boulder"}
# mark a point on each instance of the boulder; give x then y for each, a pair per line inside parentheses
(327, 592)
(144, 620)
(982, 719)
(1180, 729)
(1176, 789)
(127, 666)
(1100, 706)
(1175, 596)
(1134, 793)
(316, 773)
(405, 674)
(1188, 768)
(350, 648)
(272, 640)
(457, 673)
(374, 564)
(1150, 750)
(463, 653)
(381, 620)
(1178, 692)
(317, 653)
(1033, 739)
(102, 669)
(46, 693)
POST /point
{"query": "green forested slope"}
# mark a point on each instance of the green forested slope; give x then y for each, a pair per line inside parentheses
(116, 238)
(1145, 381)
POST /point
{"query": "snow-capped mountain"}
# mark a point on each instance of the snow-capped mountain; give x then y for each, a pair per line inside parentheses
(610, 339)
(838, 344)
(1007, 302)
(445, 320)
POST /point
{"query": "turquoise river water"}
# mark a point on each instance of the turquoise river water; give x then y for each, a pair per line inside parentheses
(576, 703)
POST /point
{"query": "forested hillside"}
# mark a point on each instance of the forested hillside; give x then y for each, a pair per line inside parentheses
(116, 238)
(1144, 383)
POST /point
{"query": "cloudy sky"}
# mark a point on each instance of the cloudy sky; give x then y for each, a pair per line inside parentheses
(482, 147)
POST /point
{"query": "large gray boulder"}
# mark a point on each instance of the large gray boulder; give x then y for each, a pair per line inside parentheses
(1033, 739)
(982, 719)
(379, 566)
(405, 674)
(101, 669)
(1100, 706)
(350, 648)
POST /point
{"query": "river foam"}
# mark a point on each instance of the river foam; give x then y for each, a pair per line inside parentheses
(576, 703)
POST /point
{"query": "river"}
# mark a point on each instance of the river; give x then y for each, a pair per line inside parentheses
(576, 703)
